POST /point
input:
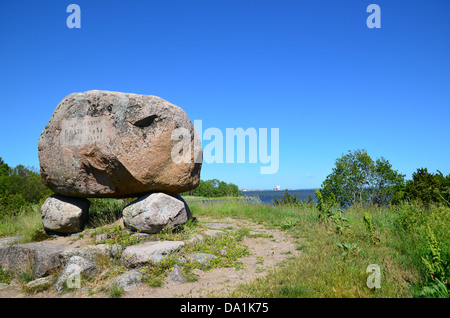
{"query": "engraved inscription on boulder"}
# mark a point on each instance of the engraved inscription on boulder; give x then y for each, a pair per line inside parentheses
(87, 130)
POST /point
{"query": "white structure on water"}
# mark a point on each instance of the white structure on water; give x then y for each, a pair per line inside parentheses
(276, 188)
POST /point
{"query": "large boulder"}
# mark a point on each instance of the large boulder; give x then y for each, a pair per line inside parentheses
(64, 215)
(114, 145)
(155, 212)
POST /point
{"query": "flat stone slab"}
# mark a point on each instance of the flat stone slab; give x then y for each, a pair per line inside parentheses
(214, 234)
(90, 252)
(7, 241)
(128, 281)
(40, 257)
(149, 252)
(201, 258)
(218, 225)
(40, 282)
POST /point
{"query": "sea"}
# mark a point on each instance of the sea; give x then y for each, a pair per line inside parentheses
(268, 196)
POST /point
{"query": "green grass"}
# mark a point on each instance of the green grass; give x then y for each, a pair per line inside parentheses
(336, 252)
(5, 276)
(26, 222)
(190, 198)
(115, 291)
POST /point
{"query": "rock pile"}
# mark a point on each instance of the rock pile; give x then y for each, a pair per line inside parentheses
(101, 144)
(42, 260)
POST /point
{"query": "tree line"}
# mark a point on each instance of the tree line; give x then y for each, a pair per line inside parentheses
(358, 179)
(215, 188)
(20, 186)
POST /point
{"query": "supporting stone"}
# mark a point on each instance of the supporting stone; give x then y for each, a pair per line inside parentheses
(155, 212)
(64, 215)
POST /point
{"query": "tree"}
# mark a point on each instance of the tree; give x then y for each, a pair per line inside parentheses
(428, 187)
(357, 178)
(19, 186)
(4, 168)
(386, 182)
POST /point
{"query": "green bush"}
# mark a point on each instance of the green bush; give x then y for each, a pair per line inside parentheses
(19, 187)
(215, 188)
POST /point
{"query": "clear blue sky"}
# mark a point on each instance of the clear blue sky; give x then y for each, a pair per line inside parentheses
(313, 69)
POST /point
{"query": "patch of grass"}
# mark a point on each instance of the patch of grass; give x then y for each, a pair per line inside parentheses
(119, 236)
(115, 291)
(26, 222)
(336, 254)
(26, 275)
(189, 275)
(5, 276)
(105, 211)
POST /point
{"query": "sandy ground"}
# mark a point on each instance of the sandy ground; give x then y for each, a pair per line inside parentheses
(266, 254)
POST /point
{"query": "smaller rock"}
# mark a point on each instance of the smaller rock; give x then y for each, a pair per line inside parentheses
(176, 277)
(6, 241)
(3, 286)
(101, 237)
(64, 215)
(201, 258)
(155, 212)
(214, 234)
(195, 239)
(71, 273)
(40, 283)
(128, 281)
(149, 252)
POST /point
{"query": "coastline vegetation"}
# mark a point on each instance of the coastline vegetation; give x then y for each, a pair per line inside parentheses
(400, 226)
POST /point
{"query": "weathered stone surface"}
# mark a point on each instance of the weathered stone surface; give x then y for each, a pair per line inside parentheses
(155, 212)
(202, 258)
(218, 225)
(70, 274)
(176, 277)
(112, 144)
(40, 282)
(6, 241)
(214, 234)
(90, 252)
(64, 215)
(128, 281)
(149, 252)
(196, 239)
(39, 257)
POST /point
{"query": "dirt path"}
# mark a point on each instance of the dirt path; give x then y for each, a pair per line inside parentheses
(267, 252)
